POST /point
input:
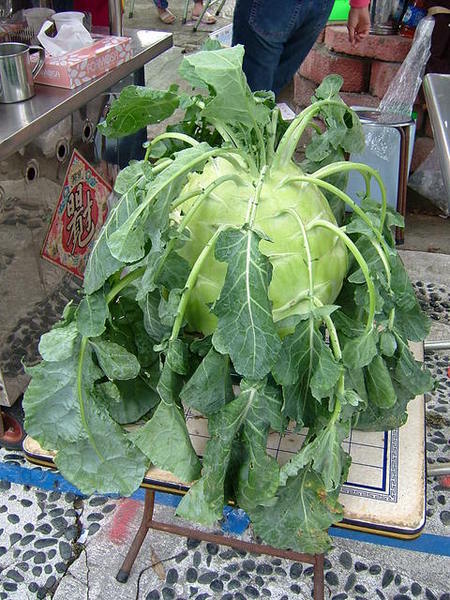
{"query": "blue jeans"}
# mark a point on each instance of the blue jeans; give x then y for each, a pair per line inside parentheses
(277, 36)
(164, 4)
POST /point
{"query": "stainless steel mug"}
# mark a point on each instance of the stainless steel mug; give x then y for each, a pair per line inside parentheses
(16, 72)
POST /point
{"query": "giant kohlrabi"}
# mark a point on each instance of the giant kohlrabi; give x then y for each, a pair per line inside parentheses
(222, 262)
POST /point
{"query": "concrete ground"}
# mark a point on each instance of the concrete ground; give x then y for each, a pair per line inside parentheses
(56, 544)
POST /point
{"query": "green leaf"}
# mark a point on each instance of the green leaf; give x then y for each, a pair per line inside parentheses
(329, 87)
(410, 374)
(245, 328)
(379, 385)
(413, 324)
(255, 409)
(102, 460)
(258, 477)
(127, 401)
(166, 187)
(325, 454)
(299, 354)
(59, 343)
(210, 387)
(127, 242)
(152, 322)
(351, 328)
(165, 439)
(326, 374)
(374, 418)
(201, 346)
(52, 411)
(175, 272)
(358, 352)
(301, 515)
(137, 172)
(92, 314)
(403, 291)
(136, 108)
(178, 357)
(294, 402)
(102, 263)
(115, 361)
(168, 309)
(221, 71)
(53, 399)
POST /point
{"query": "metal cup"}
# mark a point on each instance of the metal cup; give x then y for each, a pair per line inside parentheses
(16, 72)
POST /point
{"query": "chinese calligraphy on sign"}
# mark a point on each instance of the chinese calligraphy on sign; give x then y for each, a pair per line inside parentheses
(79, 215)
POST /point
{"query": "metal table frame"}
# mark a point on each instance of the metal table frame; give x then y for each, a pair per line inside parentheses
(22, 121)
(437, 94)
(317, 560)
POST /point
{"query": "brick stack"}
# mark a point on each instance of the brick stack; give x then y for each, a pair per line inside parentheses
(367, 70)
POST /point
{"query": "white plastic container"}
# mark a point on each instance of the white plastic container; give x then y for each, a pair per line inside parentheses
(65, 18)
(382, 153)
(37, 16)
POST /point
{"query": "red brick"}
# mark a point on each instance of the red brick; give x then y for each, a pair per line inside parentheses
(320, 62)
(422, 148)
(303, 90)
(381, 75)
(321, 37)
(391, 48)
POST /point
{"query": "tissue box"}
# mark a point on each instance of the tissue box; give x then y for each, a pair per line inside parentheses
(80, 66)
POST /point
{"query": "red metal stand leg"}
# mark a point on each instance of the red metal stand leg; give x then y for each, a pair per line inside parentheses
(127, 565)
(318, 577)
(148, 523)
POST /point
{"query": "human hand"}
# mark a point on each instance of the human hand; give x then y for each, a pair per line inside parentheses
(358, 25)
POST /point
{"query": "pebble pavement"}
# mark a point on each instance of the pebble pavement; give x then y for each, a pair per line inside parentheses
(58, 544)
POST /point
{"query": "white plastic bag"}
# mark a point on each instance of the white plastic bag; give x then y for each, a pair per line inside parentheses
(428, 182)
(70, 36)
(403, 89)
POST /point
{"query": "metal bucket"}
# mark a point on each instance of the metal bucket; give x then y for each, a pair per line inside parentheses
(385, 15)
(17, 72)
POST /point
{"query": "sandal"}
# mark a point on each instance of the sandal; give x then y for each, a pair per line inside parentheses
(208, 18)
(166, 17)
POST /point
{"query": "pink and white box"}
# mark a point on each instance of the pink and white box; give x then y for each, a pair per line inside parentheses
(80, 66)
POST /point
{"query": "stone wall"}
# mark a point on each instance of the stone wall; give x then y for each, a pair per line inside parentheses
(367, 70)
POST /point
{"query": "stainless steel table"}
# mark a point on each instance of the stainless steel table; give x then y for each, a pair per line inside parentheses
(437, 94)
(21, 122)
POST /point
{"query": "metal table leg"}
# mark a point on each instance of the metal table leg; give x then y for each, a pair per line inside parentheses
(317, 560)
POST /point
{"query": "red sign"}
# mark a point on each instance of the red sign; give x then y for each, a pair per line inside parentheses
(79, 215)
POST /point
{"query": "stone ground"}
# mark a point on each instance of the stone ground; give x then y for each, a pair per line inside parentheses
(56, 544)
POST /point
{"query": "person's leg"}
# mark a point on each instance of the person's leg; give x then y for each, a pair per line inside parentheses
(311, 19)
(262, 28)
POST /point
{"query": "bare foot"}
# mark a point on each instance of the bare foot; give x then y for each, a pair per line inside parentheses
(208, 18)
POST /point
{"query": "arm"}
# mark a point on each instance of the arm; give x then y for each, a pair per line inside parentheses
(358, 24)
